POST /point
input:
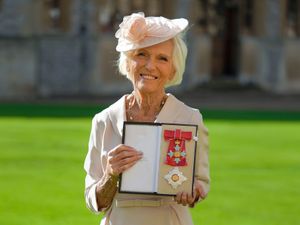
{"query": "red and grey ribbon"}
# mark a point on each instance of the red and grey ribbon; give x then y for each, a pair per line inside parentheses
(176, 155)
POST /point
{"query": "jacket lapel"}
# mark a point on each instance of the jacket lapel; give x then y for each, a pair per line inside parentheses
(117, 115)
(171, 110)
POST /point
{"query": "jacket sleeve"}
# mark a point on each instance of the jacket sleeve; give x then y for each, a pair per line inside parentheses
(202, 161)
(93, 164)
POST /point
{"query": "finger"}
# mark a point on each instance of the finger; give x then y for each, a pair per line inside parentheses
(124, 162)
(125, 167)
(117, 168)
(190, 199)
(196, 194)
(178, 197)
(123, 155)
(196, 198)
(184, 198)
(203, 194)
(122, 165)
(128, 154)
(199, 190)
(119, 149)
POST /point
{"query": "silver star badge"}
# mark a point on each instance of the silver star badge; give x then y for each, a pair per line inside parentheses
(175, 177)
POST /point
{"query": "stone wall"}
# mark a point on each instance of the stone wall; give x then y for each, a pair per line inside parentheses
(18, 69)
(79, 58)
(250, 60)
(290, 81)
(59, 66)
(39, 61)
(15, 18)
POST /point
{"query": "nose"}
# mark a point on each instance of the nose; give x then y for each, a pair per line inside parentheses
(150, 64)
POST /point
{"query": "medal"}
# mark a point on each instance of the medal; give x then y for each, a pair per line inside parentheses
(176, 155)
(175, 177)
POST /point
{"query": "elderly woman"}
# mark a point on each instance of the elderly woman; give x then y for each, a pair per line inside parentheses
(152, 56)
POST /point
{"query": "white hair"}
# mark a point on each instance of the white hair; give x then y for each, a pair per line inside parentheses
(178, 58)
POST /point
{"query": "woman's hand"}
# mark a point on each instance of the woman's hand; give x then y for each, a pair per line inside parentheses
(185, 198)
(121, 158)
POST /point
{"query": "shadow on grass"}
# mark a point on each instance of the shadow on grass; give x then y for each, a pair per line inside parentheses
(81, 111)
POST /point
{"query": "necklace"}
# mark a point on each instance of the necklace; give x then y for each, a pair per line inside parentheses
(133, 115)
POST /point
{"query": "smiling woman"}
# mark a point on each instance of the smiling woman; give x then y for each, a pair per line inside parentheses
(178, 57)
(151, 68)
(152, 57)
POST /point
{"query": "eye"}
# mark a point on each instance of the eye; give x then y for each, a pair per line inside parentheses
(163, 58)
(141, 54)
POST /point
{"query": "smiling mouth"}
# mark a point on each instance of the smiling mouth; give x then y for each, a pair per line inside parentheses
(148, 77)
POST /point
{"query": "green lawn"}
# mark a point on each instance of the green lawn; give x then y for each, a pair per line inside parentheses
(255, 167)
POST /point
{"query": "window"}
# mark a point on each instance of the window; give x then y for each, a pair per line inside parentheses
(292, 18)
(111, 12)
(57, 14)
(202, 18)
(214, 14)
(211, 13)
(247, 16)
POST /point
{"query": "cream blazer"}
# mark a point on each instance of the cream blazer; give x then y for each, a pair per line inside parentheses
(132, 209)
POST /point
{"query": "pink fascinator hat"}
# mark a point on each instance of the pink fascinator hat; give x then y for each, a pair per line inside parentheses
(137, 31)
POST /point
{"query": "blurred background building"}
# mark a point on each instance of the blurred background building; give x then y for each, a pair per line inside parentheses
(67, 47)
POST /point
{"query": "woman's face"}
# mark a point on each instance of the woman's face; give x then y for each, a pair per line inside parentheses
(152, 67)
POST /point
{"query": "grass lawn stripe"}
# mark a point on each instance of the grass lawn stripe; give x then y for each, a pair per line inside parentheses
(255, 166)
